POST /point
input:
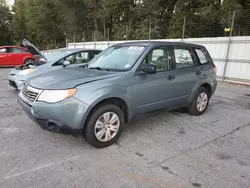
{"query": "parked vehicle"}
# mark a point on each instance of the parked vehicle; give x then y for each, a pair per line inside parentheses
(51, 62)
(121, 82)
(11, 56)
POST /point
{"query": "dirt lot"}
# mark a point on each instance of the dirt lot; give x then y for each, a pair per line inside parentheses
(161, 149)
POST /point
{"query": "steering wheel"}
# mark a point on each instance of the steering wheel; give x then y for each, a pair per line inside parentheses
(161, 58)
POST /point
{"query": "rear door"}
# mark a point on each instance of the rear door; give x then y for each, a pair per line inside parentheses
(4, 57)
(16, 56)
(186, 67)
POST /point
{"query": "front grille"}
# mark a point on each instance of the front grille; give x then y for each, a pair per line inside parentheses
(29, 94)
(12, 84)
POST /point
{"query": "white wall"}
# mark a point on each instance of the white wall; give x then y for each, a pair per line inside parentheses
(238, 66)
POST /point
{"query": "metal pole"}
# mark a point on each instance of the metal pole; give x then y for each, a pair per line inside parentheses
(150, 27)
(228, 47)
(104, 24)
(108, 37)
(83, 39)
(74, 40)
(94, 40)
(66, 40)
(183, 29)
(126, 33)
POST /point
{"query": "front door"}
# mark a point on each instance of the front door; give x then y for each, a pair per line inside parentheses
(4, 57)
(154, 91)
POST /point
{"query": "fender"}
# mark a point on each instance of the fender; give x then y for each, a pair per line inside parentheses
(96, 96)
(28, 56)
(204, 80)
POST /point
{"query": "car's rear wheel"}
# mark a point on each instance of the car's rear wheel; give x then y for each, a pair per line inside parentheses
(104, 125)
(200, 102)
(28, 61)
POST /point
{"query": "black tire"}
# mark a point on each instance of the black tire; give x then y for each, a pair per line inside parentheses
(28, 60)
(193, 110)
(89, 129)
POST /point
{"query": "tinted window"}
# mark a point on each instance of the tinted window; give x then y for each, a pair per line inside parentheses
(95, 53)
(161, 57)
(71, 59)
(76, 58)
(16, 50)
(82, 57)
(3, 50)
(202, 56)
(183, 58)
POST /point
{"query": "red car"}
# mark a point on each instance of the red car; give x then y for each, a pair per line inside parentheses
(14, 55)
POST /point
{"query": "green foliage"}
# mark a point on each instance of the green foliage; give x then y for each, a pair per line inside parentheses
(5, 19)
(47, 23)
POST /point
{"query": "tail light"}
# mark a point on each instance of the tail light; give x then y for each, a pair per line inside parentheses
(214, 68)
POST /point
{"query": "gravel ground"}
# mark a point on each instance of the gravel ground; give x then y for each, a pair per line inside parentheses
(160, 149)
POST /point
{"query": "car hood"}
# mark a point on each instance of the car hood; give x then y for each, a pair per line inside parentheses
(32, 49)
(69, 78)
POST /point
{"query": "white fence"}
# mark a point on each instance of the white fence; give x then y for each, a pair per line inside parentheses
(231, 56)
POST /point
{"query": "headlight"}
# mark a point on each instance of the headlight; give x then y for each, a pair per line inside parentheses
(26, 71)
(53, 96)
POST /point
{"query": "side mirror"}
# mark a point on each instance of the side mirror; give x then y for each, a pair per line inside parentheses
(148, 68)
(65, 63)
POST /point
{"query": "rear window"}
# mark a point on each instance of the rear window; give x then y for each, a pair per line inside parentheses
(202, 55)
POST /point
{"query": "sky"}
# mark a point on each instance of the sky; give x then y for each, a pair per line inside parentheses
(11, 2)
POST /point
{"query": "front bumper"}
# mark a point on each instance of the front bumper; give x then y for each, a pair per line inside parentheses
(14, 83)
(66, 117)
(17, 85)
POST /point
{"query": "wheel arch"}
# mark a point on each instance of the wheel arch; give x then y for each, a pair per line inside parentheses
(204, 84)
(27, 57)
(118, 101)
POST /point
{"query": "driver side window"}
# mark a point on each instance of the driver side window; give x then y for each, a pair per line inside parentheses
(161, 57)
(72, 59)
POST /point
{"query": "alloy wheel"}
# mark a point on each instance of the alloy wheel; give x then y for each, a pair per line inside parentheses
(202, 102)
(107, 126)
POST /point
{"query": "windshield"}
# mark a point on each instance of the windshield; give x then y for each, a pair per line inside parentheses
(117, 58)
(56, 55)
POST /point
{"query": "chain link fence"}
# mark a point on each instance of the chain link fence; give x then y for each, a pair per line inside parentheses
(234, 23)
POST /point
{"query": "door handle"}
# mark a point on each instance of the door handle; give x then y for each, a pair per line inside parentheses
(171, 77)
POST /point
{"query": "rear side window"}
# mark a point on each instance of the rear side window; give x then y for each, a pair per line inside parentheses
(202, 55)
(16, 50)
(183, 58)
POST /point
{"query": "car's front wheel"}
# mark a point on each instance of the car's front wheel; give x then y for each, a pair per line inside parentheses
(200, 102)
(104, 125)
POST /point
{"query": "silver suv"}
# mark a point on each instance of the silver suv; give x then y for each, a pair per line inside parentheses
(121, 82)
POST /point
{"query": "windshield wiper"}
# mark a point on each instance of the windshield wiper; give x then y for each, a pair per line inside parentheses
(99, 68)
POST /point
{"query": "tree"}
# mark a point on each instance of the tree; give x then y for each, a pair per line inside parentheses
(47, 23)
(5, 20)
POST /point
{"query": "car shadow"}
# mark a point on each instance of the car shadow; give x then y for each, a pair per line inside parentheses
(145, 121)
